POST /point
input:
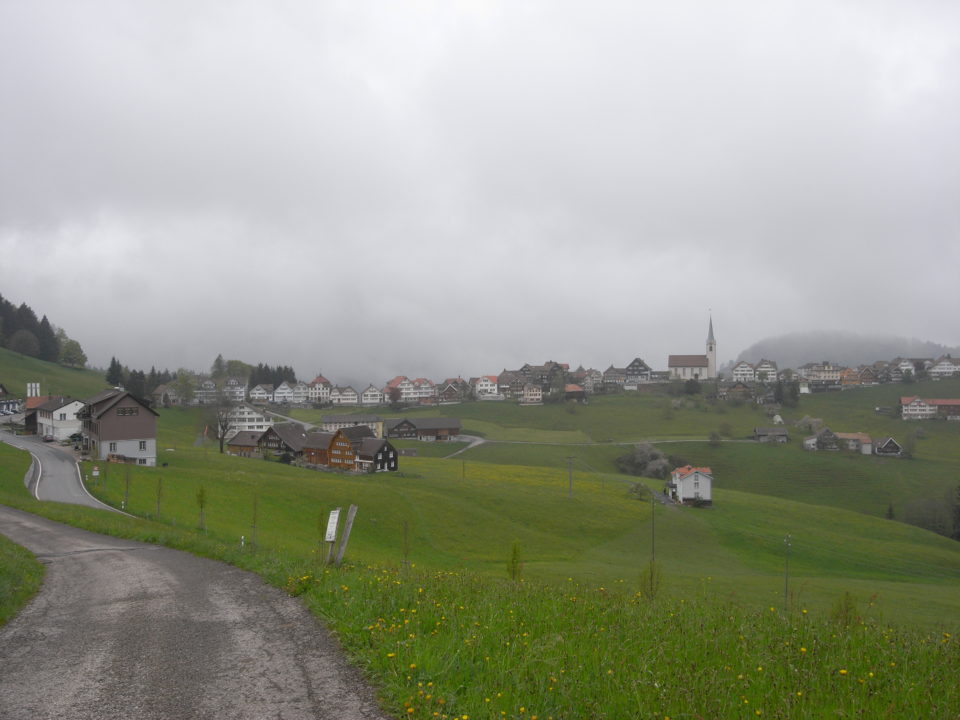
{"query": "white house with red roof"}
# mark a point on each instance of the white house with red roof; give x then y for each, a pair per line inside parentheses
(916, 408)
(691, 485)
(486, 385)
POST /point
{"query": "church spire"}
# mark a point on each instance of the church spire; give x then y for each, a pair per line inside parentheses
(710, 340)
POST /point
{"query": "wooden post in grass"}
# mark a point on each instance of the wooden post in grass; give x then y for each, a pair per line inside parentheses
(253, 525)
(345, 536)
(331, 536)
(786, 572)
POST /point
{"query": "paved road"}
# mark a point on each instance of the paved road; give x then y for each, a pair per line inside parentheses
(55, 474)
(128, 630)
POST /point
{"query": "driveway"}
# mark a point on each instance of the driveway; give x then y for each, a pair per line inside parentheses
(122, 629)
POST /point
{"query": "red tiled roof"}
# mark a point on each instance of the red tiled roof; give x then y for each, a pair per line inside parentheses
(688, 469)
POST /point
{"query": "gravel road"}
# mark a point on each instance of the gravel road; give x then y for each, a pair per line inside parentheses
(127, 630)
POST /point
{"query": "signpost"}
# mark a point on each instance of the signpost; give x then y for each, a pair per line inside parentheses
(331, 536)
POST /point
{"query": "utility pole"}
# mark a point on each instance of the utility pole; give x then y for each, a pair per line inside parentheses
(786, 571)
(570, 459)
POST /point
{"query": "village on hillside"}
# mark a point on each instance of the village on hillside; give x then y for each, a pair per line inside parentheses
(118, 425)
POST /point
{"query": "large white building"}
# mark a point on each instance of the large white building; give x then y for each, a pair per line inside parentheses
(246, 417)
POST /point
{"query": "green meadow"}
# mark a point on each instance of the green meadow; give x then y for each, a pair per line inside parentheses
(488, 585)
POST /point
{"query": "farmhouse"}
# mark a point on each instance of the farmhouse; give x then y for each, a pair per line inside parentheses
(915, 408)
(120, 426)
(888, 447)
(245, 443)
(691, 485)
(768, 434)
(376, 455)
(332, 423)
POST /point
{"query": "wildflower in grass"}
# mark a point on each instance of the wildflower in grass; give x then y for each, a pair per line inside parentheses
(390, 655)
(843, 671)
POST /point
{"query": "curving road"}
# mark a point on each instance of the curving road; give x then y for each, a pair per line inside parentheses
(55, 475)
(127, 630)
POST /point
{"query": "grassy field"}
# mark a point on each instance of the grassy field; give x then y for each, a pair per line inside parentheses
(17, 370)
(864, 623)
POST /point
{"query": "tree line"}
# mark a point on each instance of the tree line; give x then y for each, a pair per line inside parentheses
(21, 332)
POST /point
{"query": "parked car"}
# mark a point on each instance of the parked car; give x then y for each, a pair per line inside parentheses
(48, 438)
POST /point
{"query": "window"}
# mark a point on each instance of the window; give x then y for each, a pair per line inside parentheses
(113, 447)
(142, 461)
(143, 445)
(128, 411)
(63, 416)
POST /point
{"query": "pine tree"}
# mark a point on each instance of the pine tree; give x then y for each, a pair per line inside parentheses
(114, 374)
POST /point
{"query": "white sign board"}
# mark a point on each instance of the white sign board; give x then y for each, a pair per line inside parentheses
(332, 525)
(96, 471)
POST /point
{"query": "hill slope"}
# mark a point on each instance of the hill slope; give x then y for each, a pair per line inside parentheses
(846, 348)
(17, 370)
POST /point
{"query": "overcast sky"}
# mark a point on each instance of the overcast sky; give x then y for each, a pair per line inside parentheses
(441, 188)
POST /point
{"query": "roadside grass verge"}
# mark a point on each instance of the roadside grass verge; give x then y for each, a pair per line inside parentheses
(20, 577)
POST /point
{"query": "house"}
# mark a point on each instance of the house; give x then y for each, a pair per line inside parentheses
(638, 372)
(300, 393)
(118, 425)
(945, 366)
(614, 379)
(344, 396)
(915, 408)
(341, 455)
(437, 429)
(888, 447)
(205, 392)
(316, 448)
(765, 371)
(430, 429)
(234, 389)
(400, 428)
(165, 395)
(695, 367)
(372, 396)
(283, 394)
(826, 439)
(332, 423)
(743, 372)
(691, 485)
(532, 394)
(318, 390)
(574, 392)
(262, 393)
(849, 377)
(246, 418)
(868, 376)
(57, 418)
(593, 381)
(376, 455)
(401, 389)
(774, 434)
(8, 403)
(739, 391)
(453, 390)
(426, 391)
(486, 386)
(283, 438)
(245, 443)
(858, 442)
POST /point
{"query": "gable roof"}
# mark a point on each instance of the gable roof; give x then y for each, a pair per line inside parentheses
(682, 472)
(293, 435)
(317, 440)
(103, 401)
(57, 402)
(687, 361)
(436, 423)
(371, 446)
(246, 438)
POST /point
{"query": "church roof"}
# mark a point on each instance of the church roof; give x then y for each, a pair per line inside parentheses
(696, 361)
(710, 340)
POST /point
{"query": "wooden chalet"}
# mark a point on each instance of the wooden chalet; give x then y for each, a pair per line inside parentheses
(245, 443)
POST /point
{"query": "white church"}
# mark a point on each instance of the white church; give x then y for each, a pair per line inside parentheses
(695, 367)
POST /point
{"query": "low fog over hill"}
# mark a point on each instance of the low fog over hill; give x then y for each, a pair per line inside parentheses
(846, 348)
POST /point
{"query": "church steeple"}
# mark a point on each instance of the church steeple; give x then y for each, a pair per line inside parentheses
(711, 352)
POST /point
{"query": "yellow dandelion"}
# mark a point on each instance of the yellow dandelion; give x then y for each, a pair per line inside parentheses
(843, 671)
